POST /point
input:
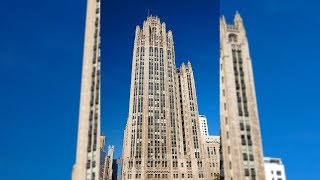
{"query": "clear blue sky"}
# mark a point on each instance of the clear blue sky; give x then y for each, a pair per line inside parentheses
(40, 68)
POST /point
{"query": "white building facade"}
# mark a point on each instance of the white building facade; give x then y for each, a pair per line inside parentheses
(274, 169)
(203, 124)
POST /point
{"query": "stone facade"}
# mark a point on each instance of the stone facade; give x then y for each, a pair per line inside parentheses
(88, 151)
(211, 152)
(241, 147)
(162, 135)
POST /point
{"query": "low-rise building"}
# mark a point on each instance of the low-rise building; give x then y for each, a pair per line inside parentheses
(211, 146)
(274, 169)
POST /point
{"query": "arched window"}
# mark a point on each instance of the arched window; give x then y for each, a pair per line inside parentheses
(233, 38)
(154, 29)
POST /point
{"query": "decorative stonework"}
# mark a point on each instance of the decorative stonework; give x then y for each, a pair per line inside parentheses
(162, 136)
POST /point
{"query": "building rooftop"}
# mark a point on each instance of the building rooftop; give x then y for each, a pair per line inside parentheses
(272, 160)
(211, 139)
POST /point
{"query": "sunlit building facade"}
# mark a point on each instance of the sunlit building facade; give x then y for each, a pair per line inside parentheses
(162, 135)
(274, 169)
(211, 153)
(241, 146)
(88, 150)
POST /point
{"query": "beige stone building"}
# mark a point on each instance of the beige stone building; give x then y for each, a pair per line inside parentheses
(162, 135)
(211, 152)
(104, 168)
(104, 161)
(241, 147)
(88, 151)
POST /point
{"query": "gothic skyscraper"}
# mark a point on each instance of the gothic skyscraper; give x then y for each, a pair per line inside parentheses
(88, 150)
(241, 147)
(162, 135)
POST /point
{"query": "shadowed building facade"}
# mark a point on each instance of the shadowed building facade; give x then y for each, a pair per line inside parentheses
(241, 147)
(88, 150)
(162, 135)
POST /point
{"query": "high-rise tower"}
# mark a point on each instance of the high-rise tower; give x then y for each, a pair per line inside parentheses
(88, 151)
(242, 156)
(162, 136)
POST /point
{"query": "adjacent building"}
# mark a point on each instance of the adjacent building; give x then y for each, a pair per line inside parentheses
(274, 169)
(241, 146)
(103, 158)
(111, 164)
(211, 152)
(162, 136)
(119, 170)
(203, 124)
(115, 167)
(88, 151)
(108, 165)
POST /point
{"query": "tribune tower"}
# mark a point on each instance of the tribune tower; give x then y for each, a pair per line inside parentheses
(162, 135)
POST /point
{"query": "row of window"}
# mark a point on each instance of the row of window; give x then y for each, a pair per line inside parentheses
(213, 152)
(165, 176)
(241, 97)
(95, 86)
(245, 128)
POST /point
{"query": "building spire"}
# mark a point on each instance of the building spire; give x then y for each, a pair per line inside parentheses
(237, 18)
(223, 19)
(189, 63)
(223, 22)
